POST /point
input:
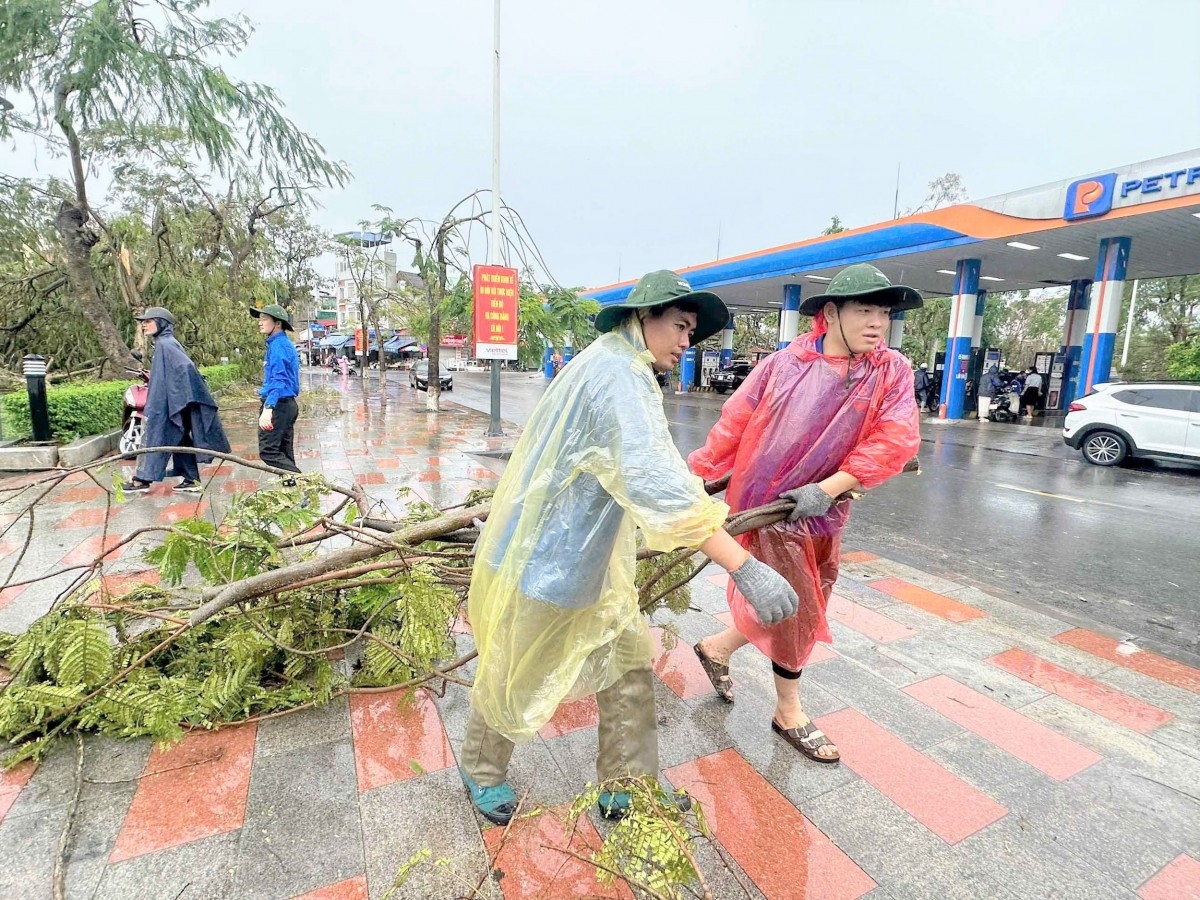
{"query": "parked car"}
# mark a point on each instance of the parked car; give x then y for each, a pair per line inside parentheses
(418, 376)
(1159, 420)
(731, 378)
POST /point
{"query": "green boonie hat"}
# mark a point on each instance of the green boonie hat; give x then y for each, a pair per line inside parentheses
(275, 311)
(866, 283)
(156, 312)
(663, 287)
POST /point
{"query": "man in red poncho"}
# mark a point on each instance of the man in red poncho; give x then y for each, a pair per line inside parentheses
(833, 412)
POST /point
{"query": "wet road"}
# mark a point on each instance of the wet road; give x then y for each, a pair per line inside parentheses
(1117, 547)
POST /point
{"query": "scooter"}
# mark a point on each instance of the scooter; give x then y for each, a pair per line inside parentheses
(1001, 410)
(134, 416)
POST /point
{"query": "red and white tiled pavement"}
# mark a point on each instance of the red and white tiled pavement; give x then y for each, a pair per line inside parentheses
(988, 750)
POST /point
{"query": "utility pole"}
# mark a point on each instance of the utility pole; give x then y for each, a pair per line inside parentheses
(494, 429)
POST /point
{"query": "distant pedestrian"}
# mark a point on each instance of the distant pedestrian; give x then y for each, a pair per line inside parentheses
(989, 386)
(922, 383)
(1032, 393)
(180, 411)
(344, 366)
(281, 386)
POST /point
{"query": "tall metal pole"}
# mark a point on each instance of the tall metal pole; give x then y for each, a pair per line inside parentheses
(1129, 323)
(494, 429)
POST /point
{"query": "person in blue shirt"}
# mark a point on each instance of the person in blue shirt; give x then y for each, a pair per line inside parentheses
(281, 385)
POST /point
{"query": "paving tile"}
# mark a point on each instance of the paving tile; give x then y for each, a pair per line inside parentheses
(527, 855)
(85, 518)
(572, 716)
(1175, 771)
(906, 859)
(184, 509)
(240, 486)
(397, 736)
(11, 783)
(944, 656)
(679, 668)
(782, 851)
(865, 621)
(1177, 881)
(371, 478)
(192, 790)
(911, 721)
(939, 604)
(1027, 864)
(203, 868)
(351, 889)
(890, 663)
(302, 828)
(1044, 749)
(8, 595)
(306, 728)
(1143, 661)
(90, 548)
(81, 494)
(858, 556)
(939, 800)
(1112, 704)
(431, 812)
(1124, 827)
(1028, 621)
(720, 580)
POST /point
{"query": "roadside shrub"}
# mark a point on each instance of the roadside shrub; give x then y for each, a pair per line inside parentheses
(80, 409)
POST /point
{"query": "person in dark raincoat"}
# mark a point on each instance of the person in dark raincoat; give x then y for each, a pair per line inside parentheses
(180, 411)
(832, 412)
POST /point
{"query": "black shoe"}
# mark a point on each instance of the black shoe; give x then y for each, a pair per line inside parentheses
(136, 486)
(188, 486)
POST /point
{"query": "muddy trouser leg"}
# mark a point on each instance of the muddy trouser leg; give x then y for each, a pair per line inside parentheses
(485, 753)
(628, 727)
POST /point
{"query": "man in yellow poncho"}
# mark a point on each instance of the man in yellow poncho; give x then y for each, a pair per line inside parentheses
(553, 604)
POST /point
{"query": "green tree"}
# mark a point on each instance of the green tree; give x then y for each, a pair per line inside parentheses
(1183, 360)
(835, 226)
(89, 77)
(757, 330)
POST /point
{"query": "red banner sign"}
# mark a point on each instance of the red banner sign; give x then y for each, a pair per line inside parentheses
(496, 300)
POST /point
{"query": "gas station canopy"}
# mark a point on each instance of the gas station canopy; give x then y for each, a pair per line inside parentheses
(1042, 237)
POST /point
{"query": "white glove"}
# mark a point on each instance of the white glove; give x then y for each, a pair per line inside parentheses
(266, 420)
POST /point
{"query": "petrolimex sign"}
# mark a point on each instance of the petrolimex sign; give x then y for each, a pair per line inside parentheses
(1099, 194)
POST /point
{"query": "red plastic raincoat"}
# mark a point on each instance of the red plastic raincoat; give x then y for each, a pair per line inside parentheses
(795, 421)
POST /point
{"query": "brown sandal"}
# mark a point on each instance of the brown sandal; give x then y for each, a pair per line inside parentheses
(718, 674)
(808, 739)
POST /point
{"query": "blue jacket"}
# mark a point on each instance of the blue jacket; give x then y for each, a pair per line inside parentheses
(281, 371)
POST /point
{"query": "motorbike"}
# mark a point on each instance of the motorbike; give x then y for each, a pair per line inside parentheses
(133, 420)
(1001, 410)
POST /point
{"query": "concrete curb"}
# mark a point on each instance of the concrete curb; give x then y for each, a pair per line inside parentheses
(24, 458)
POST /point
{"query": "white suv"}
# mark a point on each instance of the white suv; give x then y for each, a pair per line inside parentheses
(1153, 419)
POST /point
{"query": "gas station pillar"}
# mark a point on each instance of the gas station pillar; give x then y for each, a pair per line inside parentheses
(977, 324)
(548, 361)
(896, 330)
(958, 340)
(1104, 314)
(1076, 326)
(789, 316)
(727, 343)
(568, 348)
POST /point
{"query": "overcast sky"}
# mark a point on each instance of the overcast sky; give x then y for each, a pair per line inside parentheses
(634, 130)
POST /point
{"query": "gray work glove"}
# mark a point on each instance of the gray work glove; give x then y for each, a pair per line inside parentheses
(810, 500)
(766, 590)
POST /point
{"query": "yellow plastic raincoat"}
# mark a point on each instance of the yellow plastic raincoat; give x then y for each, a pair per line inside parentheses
(552, 603)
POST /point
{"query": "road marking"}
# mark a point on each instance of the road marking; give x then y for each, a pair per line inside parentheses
(1013, 487)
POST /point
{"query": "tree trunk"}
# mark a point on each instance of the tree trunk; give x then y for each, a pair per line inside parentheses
(71, 224)
(437, 290)
(379, 341)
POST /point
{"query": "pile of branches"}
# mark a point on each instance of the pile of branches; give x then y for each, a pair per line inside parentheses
(273, 608)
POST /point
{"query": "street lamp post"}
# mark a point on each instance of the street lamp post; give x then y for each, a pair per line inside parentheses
(494, 429)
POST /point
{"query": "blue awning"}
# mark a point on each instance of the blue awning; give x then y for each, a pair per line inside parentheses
(335, 341)
(398, 343)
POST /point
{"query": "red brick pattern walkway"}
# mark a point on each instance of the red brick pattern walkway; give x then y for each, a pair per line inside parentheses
(987, 750)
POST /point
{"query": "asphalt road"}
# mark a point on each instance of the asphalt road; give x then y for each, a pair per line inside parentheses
(1013, 510)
